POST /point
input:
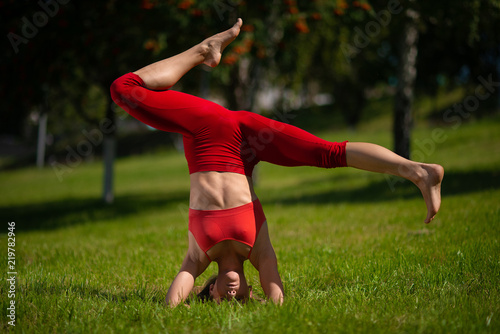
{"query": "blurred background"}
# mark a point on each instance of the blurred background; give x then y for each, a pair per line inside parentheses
(320, 64)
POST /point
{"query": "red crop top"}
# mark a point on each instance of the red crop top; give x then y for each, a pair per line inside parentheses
(217, 139)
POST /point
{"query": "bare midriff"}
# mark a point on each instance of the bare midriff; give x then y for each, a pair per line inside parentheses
(220, 190)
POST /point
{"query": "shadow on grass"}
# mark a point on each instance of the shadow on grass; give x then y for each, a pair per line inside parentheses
(69, 212)
(392, 188)
(142, 292)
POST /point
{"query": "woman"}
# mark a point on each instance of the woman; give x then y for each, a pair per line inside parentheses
(226, 221)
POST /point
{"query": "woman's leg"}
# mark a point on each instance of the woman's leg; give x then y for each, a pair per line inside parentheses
(286, 145)
(165, 73)
(141, 93)
(374, 158)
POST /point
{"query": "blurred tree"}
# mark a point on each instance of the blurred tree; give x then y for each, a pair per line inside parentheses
(77, 49)
(461, 44)
(441, 41)
(301, 45)
(407, 74)
(73, 48)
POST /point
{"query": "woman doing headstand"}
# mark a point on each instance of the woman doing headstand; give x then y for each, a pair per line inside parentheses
(226, 221)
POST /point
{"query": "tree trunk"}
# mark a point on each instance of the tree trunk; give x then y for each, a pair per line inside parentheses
(42, 139)
(109, 149)
(407, 74)
(42, 128)
(498, 77)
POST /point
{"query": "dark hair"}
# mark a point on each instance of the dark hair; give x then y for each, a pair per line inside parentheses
(204, 294)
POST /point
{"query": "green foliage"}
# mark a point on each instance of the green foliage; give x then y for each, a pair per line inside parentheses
(288, 43)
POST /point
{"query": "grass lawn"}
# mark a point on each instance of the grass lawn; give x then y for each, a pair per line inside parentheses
(353, 251)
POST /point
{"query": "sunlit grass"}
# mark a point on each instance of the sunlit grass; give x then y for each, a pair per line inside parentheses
(353, 251)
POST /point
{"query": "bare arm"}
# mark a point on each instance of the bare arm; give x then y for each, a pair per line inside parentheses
(270, 278)
(180, 288)
(193, 265)
(264, 260)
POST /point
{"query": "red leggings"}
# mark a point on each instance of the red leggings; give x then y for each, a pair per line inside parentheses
(217, 139)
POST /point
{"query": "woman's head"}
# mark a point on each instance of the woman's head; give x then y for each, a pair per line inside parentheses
(229, 285)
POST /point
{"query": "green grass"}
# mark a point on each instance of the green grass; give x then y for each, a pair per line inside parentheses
(354, 253)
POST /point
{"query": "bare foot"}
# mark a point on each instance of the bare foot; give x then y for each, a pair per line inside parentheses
(213, 46)
(430, 186)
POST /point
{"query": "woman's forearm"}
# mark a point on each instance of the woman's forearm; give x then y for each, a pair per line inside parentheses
(180, 288)
(270, 280)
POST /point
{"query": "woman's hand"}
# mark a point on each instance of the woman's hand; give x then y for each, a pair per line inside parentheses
(264, 260)
(194, 265)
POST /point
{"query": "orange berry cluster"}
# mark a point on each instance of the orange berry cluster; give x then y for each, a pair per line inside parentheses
(240, 49)
(342, 5)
